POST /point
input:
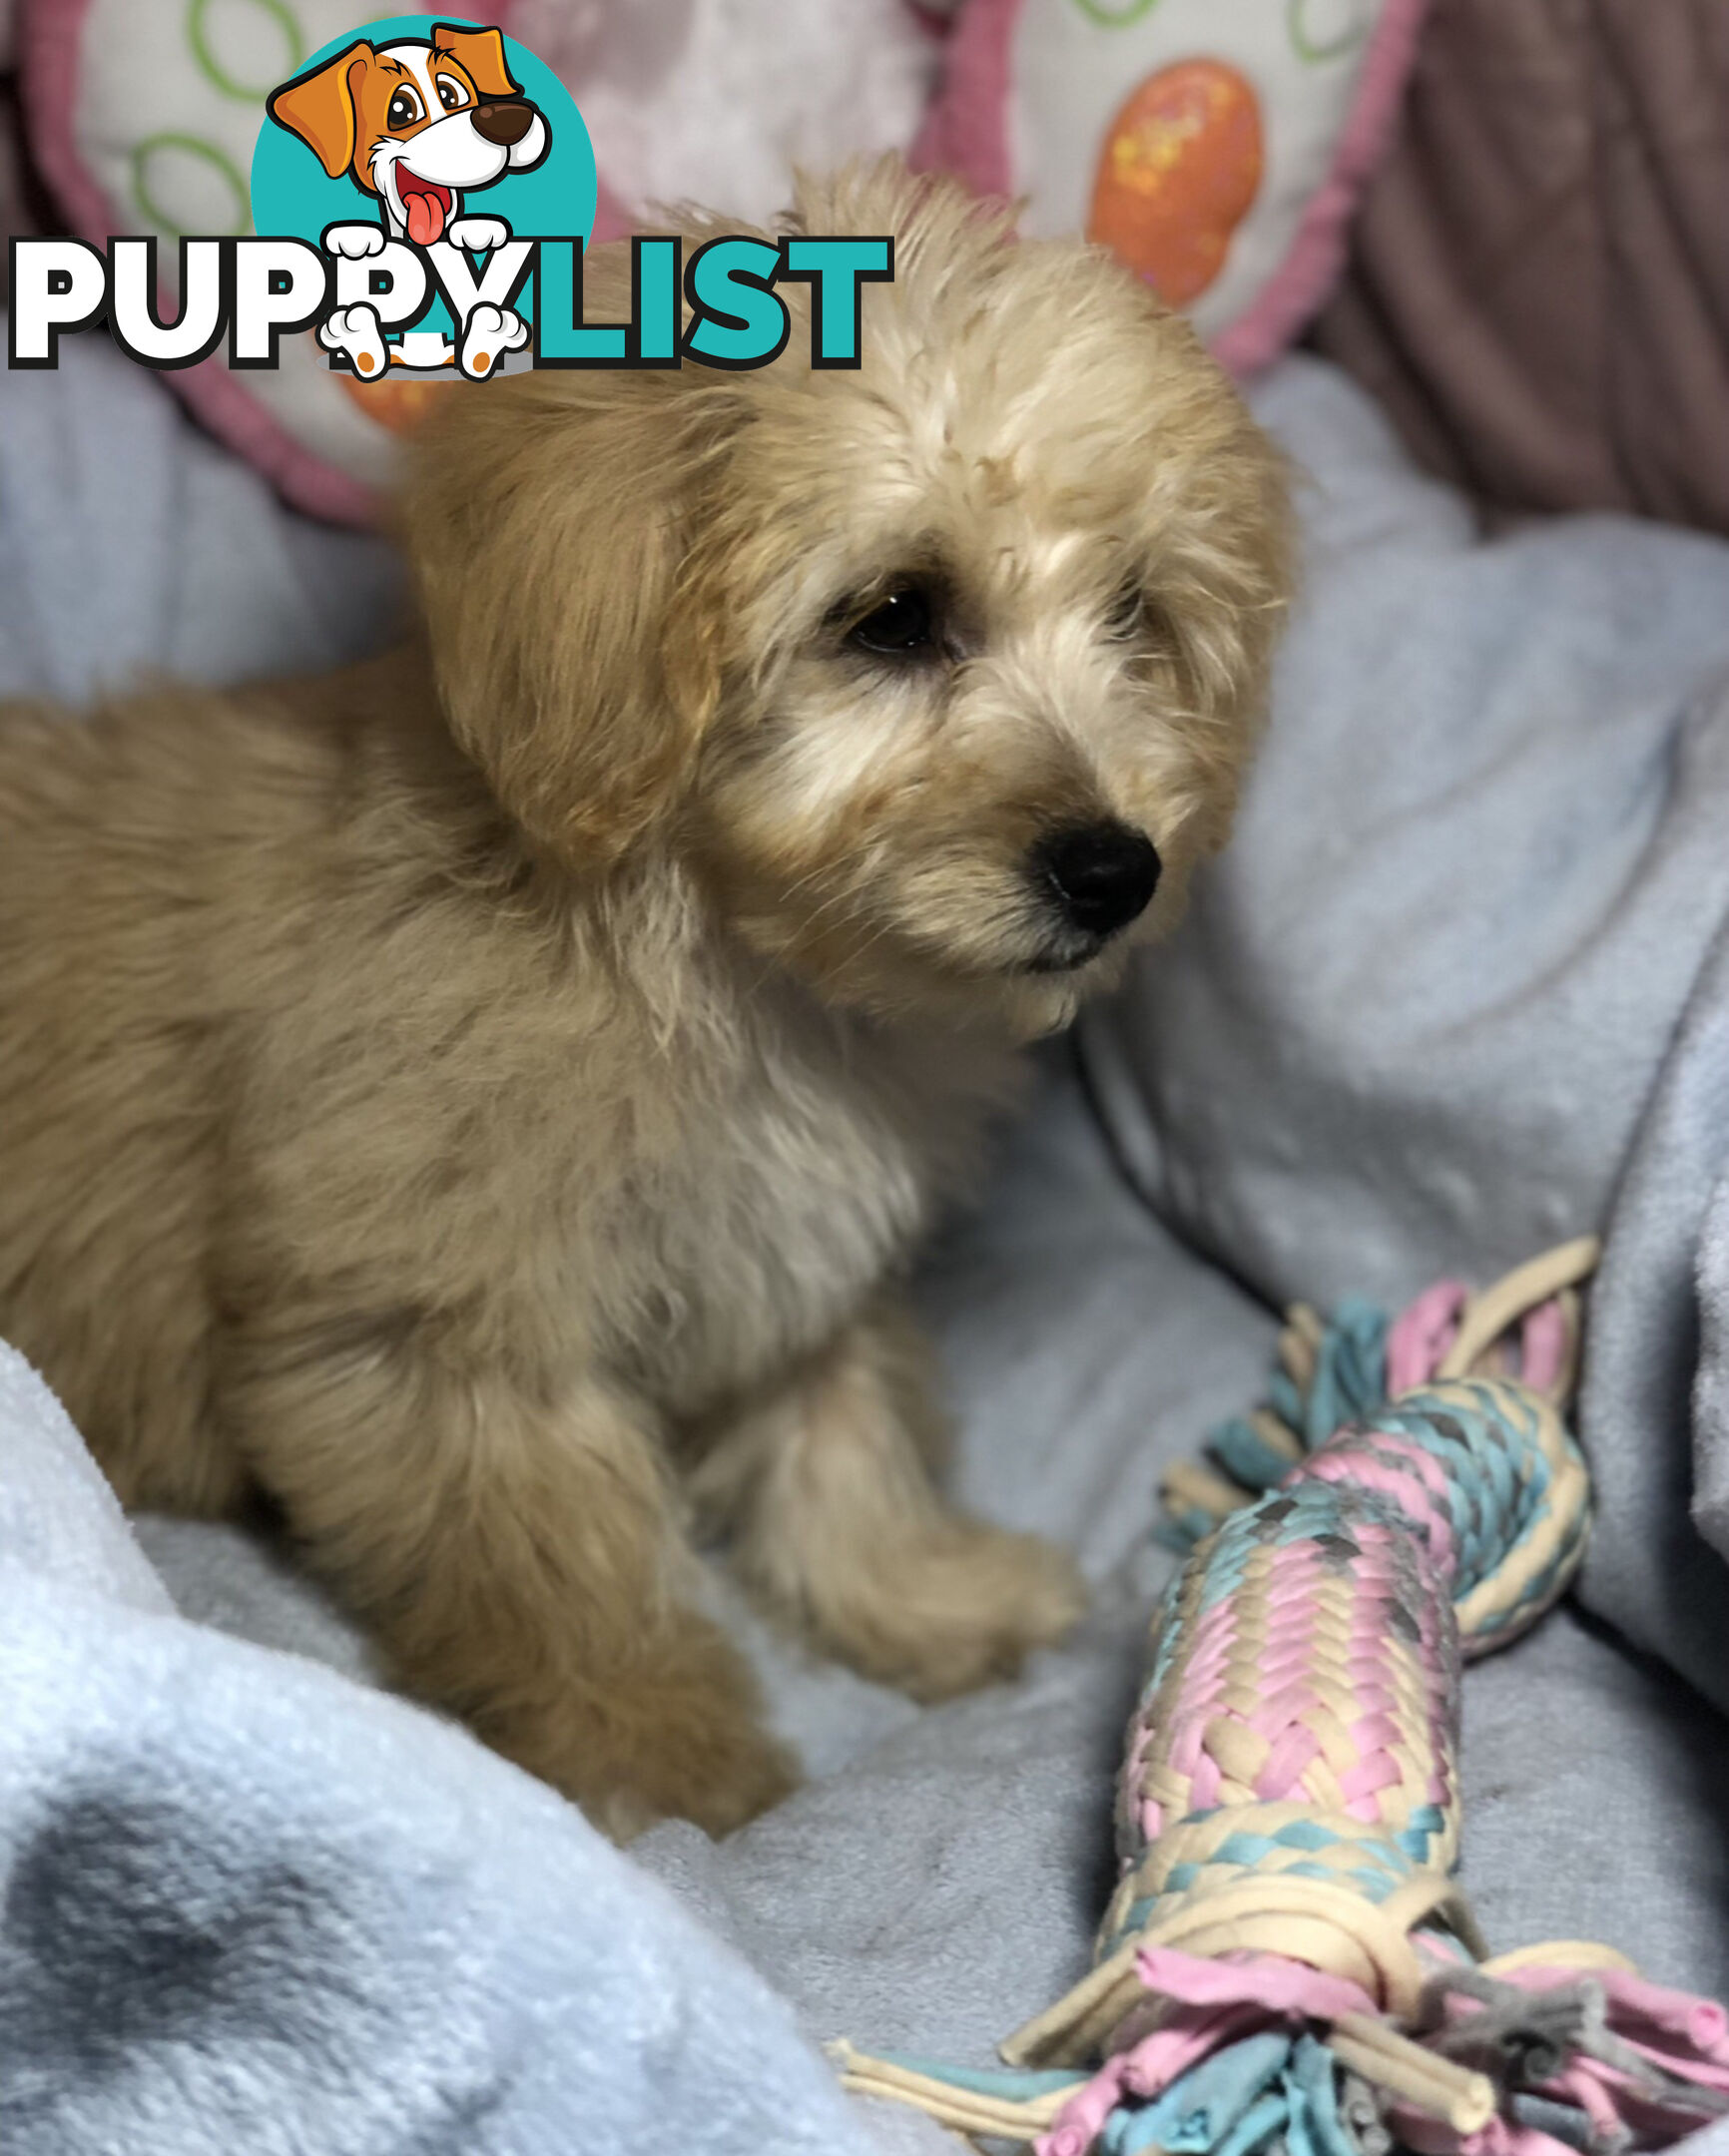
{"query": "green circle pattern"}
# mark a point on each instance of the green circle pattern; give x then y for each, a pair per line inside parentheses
(1316, 51)
(1120, 14)
(1117, 16)
(210, 152)
(212, 68)
(218, 160)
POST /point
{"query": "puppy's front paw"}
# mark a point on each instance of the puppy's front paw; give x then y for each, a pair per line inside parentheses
(675, 1735)
(720, 1774)
(957, 1608)
(489, 334)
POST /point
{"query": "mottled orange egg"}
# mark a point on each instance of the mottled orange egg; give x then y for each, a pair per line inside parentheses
(398, 403)
(1180, 168)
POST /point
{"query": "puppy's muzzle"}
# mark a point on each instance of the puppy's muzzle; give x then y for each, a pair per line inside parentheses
(1097, 876)
(503, 121)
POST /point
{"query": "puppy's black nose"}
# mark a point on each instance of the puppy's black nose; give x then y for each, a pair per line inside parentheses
(1101, 874)
(503, 121)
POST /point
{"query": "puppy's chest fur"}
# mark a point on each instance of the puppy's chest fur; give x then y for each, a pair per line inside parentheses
(369, 1098)
(808, 1162)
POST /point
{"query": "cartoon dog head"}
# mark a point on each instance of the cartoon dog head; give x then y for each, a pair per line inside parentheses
(416, 123)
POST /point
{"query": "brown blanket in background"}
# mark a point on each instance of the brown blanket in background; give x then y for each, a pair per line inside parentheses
(1538, 290)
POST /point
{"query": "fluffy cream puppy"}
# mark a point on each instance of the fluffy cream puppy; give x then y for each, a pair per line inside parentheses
(483, 1102)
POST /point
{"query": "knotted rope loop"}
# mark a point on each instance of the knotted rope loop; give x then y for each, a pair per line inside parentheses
(1288, 1962)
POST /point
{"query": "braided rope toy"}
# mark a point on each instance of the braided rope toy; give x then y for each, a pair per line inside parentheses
(1287, 1966)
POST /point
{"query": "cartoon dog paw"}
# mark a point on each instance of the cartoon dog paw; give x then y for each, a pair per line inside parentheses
(478, 235)
(354, 242)
(489, 334)
(356, 331)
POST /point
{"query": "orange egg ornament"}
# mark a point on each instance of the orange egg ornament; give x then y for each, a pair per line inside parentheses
(1180, 168)
(398, 402)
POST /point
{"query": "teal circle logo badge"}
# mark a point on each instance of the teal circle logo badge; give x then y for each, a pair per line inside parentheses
(425, 157)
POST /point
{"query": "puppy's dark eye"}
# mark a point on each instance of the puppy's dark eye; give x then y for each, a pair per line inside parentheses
(403, 109)
(899, 627)
(451, 94)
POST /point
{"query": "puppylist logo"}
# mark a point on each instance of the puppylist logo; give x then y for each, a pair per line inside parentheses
(421, 196)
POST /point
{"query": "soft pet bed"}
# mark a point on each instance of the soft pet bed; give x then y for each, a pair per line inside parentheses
(1457, 991)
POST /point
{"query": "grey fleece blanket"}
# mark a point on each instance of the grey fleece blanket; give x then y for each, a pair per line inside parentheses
(1454, 992)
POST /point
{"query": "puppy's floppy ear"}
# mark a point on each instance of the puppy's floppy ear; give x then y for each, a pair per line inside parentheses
(320, 108)
(551, 518)
(481, 54)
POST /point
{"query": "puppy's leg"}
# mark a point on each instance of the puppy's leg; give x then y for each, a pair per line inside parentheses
(837, 1526)
(519, 1561)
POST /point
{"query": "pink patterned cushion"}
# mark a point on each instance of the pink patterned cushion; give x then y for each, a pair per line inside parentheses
(1220, 149)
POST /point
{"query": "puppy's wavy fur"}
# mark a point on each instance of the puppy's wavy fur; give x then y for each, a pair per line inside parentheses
(484, 1100)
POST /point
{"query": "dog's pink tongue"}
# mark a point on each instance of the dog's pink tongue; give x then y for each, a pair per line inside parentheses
(425, 214)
